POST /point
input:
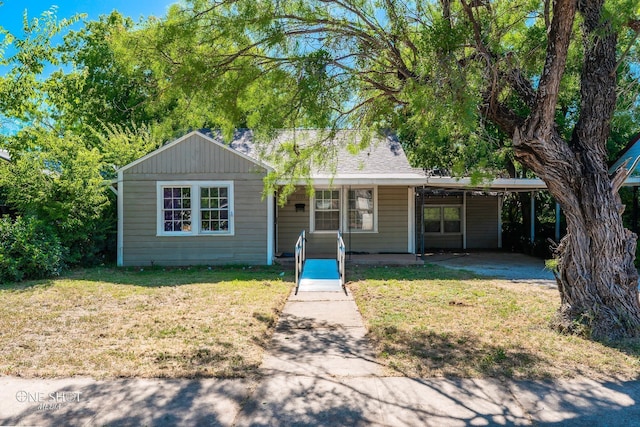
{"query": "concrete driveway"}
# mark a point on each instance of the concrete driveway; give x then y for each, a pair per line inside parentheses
(499, 265)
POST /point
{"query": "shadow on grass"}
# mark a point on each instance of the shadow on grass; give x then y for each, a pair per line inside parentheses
(453, 355)
(301, 387)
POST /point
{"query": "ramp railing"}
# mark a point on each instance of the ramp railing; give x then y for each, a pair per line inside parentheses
(300, 252)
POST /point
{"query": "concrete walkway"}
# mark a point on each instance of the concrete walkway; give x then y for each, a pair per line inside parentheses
(502, 265)
(319, 371)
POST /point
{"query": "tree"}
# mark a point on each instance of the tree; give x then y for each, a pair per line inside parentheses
(78, 124)
(60, 184)
(542, 74)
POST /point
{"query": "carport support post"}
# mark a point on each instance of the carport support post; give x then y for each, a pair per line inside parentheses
(500, 202)
(464, 220)
(533, 216)
(634, 225)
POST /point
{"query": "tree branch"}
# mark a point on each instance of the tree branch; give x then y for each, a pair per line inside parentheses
(542, 120)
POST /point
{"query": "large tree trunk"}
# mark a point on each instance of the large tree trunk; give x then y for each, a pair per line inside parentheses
(597, 279)
(596, 276)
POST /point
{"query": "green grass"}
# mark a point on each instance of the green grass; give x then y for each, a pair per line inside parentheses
(199, 322)
(152, 322)
(430, 322)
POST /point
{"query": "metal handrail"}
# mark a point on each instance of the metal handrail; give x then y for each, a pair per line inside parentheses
(341, 260)
(300, 252)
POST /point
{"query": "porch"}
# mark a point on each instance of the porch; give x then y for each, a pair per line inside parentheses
(362, 259)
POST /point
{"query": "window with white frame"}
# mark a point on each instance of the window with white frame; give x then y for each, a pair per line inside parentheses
(327, 210)
(356, 213)
(361, 210)
(214, 209)
(443, 219)
(195, 208)
(176, 209)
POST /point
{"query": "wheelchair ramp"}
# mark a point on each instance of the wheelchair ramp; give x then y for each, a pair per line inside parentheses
(320, 275)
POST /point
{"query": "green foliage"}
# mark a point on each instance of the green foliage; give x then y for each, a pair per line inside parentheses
(20, 87)
(58, 181)
(122, 145)
(412, 67)
(79, 124)
(28, 250)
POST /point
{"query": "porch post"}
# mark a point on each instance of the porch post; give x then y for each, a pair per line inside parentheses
(500, 221)
(634, 226)
(422, 222)
(411, 220)
(533, 216)
(464, 220)
(271, 224)
(557, 222)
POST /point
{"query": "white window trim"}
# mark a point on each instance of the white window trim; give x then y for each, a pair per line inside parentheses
(345, 214)
(312, 216)
(195, 208)
(343, 209)
(442, 232)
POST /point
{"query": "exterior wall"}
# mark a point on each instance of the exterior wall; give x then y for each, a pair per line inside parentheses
(193, 159)
(391, 237)
(481, 223)
(440, 241)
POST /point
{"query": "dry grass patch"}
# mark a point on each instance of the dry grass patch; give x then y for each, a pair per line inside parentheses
(107, 323)
(431, 322)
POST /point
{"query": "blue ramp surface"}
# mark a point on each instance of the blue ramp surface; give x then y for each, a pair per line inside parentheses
(320, 269)
(320, 275)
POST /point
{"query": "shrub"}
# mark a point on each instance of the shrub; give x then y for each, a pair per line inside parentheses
(28, 250)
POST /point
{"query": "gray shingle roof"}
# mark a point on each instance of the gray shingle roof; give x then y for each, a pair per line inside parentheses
(4, 155)
(382, 157)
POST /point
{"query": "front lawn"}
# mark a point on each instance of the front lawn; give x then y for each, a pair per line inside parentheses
(430, 322)
(108, 322)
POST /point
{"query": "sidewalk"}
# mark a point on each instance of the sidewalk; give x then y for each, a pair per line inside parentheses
(319, 371)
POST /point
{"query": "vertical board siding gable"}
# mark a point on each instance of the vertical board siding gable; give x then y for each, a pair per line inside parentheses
(195, 154)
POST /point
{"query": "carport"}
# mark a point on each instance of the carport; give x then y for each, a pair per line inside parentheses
(469, 213)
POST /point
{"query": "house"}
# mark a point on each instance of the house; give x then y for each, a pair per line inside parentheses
(198, 200)
(629, 157)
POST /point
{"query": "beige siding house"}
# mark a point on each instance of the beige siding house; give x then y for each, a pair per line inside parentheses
(194, 201)
(199, 200)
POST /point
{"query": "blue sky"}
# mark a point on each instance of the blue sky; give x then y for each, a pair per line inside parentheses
(11, 14)
(11, 11)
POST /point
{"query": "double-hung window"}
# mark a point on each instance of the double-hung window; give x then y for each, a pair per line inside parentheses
(443, 219)
(361, 212)
(176, 209)
(214, 209)
(195, 208)
(327, 210)
(356, 213)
